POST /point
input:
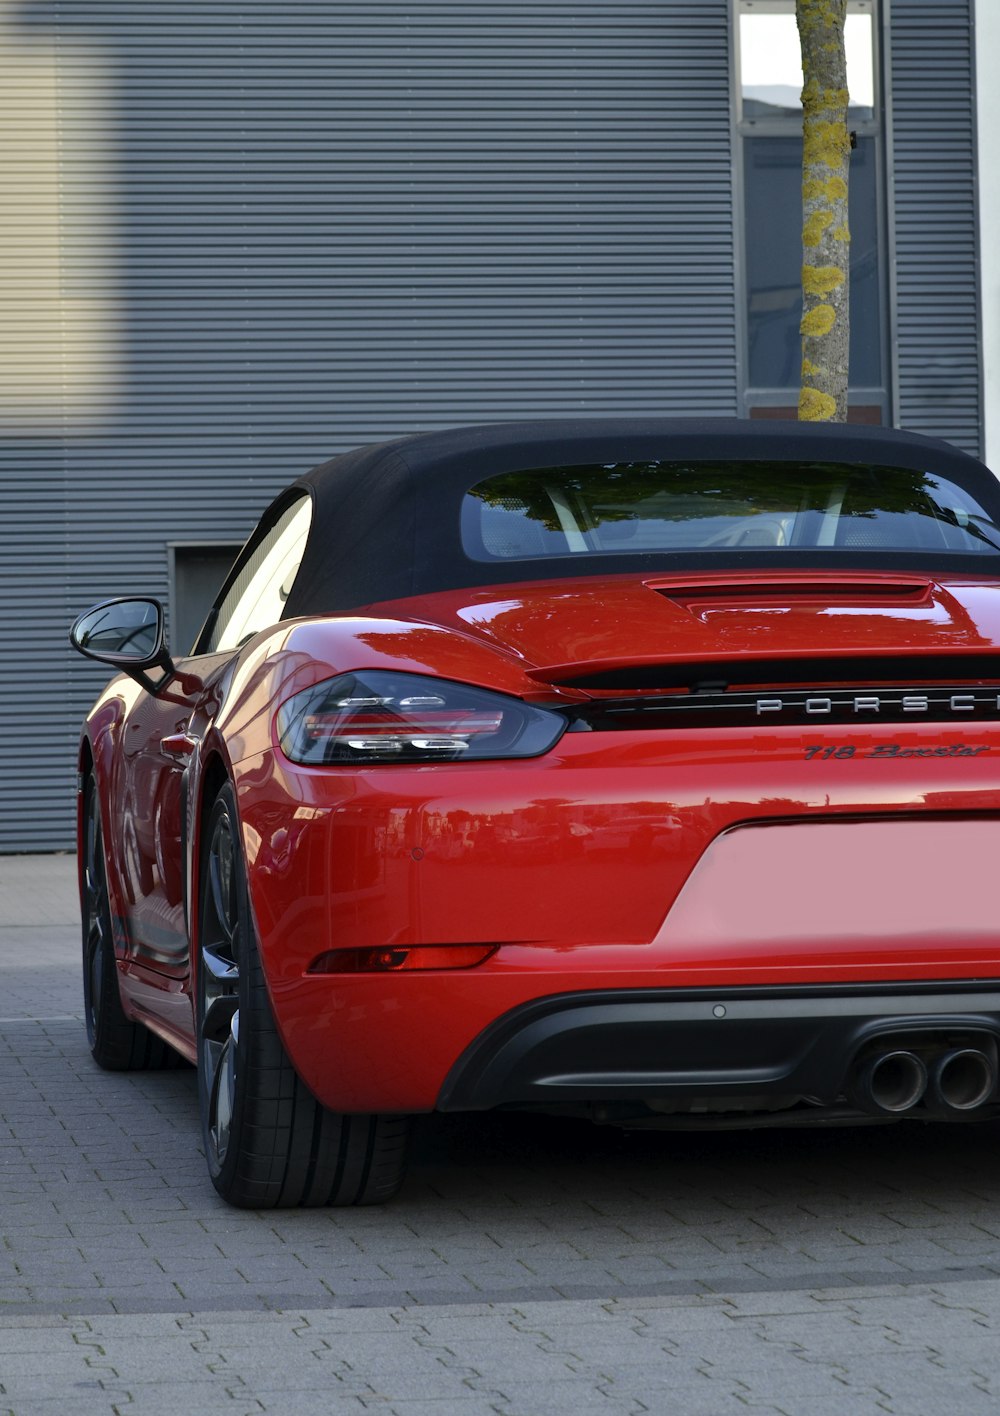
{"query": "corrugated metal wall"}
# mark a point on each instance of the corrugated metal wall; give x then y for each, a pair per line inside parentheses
(251, 234)
(937, 313)
(238, 237)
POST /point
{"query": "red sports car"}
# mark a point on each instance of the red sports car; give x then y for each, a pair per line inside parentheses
(646, 771)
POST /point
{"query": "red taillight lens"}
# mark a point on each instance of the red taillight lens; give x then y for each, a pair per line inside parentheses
(397, 960)
(386, 717)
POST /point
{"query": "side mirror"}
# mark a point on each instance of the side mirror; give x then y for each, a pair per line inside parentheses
(125, 633)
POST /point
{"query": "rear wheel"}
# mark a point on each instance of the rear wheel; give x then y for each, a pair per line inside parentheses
(117, 1043)
(268, 1141)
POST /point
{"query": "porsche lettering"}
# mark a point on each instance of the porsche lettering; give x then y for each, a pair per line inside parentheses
(820, 705)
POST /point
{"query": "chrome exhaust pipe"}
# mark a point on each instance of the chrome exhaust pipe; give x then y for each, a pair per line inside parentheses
(960, 1080)
(889, 1083)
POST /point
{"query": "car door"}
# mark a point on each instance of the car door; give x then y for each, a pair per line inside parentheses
(163, 733)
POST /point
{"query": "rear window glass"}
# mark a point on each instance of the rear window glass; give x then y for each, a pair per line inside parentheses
(620, 508)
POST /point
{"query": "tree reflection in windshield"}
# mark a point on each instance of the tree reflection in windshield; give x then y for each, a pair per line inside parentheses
(659, 505)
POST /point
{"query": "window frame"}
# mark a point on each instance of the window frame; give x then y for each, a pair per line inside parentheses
(265, 528)
(176, 551)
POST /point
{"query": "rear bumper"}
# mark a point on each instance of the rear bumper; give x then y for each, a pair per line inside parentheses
(646, 874)
(695, 1047)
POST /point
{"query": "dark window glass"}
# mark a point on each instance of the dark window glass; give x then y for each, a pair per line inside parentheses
(773, 195)
(641, 507)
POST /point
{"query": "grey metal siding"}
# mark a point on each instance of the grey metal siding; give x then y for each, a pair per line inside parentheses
(934, 158)
(292, 228)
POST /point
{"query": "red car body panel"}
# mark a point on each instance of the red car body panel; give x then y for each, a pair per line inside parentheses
(572, 863)
(616, 622)
(773, 855)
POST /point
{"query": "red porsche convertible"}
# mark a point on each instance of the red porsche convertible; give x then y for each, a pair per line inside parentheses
(645, 771)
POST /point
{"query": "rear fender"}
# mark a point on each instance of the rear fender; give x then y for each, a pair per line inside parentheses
(283, 662)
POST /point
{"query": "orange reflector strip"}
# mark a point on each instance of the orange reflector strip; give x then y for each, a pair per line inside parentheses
(398, 960)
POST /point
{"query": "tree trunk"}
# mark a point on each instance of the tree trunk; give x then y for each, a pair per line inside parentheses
(826, 237)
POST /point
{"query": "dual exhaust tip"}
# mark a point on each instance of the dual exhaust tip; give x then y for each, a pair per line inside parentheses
(952, 1083)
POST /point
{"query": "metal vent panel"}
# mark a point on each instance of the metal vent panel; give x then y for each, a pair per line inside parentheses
(933, 111)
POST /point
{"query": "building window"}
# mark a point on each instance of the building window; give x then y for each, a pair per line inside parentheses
(197, 571)
(769, 118)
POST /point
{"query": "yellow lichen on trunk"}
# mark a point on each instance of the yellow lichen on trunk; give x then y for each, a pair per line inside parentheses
(825, 233)
(821, 280)
(816, 407)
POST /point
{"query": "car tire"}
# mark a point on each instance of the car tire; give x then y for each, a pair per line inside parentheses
(268, 1141)
(116, 1042)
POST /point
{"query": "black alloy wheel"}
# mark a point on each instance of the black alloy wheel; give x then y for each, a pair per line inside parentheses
(268, 1142)
(116, 1043)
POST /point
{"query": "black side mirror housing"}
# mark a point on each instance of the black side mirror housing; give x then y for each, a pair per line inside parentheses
(126, 633)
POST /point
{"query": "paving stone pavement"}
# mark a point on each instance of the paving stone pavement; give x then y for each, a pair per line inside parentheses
(527, 1267)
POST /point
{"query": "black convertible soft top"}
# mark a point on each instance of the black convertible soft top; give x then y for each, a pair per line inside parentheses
(387, 517)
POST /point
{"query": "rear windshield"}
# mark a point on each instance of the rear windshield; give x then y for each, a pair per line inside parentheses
(647, 507)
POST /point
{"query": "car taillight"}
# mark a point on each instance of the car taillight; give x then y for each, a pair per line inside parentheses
(378, 716)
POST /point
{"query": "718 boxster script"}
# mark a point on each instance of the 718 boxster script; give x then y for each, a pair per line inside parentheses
(820, 753)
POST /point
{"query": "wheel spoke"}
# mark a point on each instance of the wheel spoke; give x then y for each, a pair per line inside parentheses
(221, 879)
(88, 869)
(219, 986)
(221, 1060)
(221, 968)
(90, 877)
(217, 1021)
(95, 904)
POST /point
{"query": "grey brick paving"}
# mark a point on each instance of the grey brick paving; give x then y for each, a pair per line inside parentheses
(912, 1351)
(526, 1268)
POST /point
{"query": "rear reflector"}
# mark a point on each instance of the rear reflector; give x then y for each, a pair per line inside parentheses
(398, 960)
